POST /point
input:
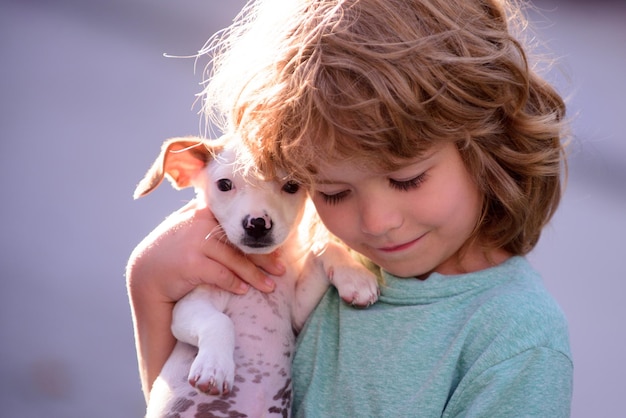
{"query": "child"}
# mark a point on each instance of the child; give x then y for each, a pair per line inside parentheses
(432, 148)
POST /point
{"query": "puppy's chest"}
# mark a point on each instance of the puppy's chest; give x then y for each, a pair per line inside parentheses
(263, 321)
(261, 310)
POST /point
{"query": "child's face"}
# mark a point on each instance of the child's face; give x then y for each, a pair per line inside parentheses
(412, 221)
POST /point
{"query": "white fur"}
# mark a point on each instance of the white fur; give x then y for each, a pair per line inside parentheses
(236, 350)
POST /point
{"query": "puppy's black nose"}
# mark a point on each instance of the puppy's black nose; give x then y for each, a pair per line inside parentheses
(257, 227)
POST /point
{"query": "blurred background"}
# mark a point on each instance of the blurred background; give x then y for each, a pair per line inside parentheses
(87, 97)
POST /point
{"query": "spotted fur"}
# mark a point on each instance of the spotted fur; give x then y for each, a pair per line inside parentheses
(238, 349)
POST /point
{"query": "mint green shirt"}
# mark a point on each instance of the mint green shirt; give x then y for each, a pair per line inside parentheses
(492, 343)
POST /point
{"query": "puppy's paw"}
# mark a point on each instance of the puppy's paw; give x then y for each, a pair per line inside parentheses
(356, 285)
(212, 372)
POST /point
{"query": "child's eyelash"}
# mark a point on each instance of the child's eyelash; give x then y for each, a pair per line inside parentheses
(333, 199)
(405, 185)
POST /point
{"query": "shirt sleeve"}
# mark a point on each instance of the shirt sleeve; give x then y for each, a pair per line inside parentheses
(535, 383)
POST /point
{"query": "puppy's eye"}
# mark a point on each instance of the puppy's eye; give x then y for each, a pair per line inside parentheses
(291, 187)
(224, 185)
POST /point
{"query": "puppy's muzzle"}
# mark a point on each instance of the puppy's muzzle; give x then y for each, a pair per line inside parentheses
(257, 231)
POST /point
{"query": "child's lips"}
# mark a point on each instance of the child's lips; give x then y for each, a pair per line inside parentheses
(392, 248)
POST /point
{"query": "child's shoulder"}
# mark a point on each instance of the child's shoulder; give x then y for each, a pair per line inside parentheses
(520, 307)
(519, 289)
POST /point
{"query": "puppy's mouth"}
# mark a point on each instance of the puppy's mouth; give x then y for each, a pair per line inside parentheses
(263, 245)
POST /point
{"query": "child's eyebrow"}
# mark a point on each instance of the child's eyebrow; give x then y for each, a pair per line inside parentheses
(326, 181)
(422, 158)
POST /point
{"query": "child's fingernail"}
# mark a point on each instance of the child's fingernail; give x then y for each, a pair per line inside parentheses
(243, 287)
(269, 283)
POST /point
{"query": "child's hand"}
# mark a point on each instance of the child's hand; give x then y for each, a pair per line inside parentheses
(181, 254)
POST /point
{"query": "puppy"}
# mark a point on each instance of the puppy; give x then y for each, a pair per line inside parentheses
(236, 350)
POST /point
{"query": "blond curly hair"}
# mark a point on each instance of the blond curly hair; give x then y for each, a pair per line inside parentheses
(382, 81)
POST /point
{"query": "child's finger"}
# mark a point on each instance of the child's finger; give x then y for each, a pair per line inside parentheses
(269, 262)
(233, 269)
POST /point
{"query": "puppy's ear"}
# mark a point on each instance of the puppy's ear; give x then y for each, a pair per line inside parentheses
(181, 159)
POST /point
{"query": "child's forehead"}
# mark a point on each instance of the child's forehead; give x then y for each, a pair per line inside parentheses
(372, 164)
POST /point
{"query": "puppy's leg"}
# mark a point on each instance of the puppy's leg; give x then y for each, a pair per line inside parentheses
(197, 320)
(310, 287)
(356, 284)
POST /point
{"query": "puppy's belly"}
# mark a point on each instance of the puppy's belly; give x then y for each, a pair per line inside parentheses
(264, 344)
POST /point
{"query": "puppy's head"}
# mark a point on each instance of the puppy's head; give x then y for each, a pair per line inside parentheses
(257, 215)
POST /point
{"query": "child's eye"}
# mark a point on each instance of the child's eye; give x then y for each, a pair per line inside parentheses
(406, 185)
(335, 198)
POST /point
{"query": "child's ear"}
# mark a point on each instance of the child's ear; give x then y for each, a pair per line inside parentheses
(180, 160)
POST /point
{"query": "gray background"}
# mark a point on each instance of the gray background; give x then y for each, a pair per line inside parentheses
(87, 97)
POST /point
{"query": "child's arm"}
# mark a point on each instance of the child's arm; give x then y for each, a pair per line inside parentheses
(175, 258)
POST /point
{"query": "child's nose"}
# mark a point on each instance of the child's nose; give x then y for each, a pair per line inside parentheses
(378, 216)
